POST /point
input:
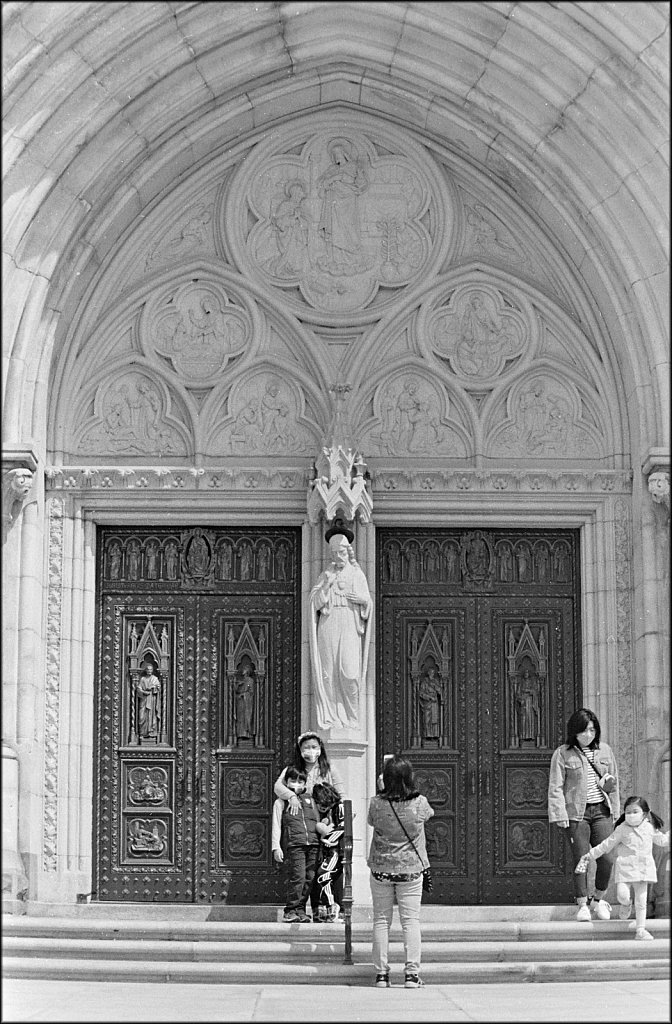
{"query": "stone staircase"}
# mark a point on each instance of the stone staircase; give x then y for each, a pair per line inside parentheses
(114, 942)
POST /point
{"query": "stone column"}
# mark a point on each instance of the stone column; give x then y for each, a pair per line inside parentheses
(656, 617)
(20, 645)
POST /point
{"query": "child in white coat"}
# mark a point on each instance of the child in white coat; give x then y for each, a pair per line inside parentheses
(637, 829)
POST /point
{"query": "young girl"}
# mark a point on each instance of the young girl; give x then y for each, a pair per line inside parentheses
(310, 756)
(637, 829)
(330, 828)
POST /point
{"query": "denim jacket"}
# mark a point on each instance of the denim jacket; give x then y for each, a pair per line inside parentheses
(568, 782)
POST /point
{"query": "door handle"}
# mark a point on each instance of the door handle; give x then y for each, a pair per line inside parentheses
(472, 783)
(485, 781)
(198, 785)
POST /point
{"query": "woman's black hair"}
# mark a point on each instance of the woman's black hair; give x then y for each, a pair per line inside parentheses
(578, 721)
(322, 760)
(641, 802)
(398, 780)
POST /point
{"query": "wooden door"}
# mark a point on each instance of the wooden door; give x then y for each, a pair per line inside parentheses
(478, 669)
(196, 711)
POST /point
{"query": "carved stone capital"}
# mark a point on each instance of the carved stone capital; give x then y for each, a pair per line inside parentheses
(659, 488)
(17, 481)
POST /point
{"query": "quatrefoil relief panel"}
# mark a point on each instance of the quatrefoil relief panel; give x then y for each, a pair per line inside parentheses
(197, 328)
(338, 214)
(478, 332)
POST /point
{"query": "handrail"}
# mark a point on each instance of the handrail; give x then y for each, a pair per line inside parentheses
(347, 878)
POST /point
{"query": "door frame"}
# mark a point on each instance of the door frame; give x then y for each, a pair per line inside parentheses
(597, 503)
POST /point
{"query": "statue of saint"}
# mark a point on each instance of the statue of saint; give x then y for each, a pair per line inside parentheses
(341, 606)
(430, 699)
(148, 704)
(244, 704)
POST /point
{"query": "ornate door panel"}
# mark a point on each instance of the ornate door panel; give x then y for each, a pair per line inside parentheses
(478, 671)
(196, 711)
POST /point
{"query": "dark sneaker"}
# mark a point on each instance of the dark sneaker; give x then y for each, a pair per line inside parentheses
(382, 981)
(413, 981)
(290, 917)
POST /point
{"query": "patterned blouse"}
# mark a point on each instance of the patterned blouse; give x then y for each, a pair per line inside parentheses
(390, 851)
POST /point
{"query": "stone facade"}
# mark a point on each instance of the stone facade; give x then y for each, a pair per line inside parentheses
(321, 264)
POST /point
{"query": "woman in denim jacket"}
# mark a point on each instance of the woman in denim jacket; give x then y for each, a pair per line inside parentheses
(397, 859)
(583, 799)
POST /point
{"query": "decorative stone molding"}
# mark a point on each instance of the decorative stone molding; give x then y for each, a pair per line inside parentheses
(52, 685)
(498, 481)
(111, 479)
(18, 473)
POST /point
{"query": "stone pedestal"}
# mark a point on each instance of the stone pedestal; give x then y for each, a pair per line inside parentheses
(351, 761)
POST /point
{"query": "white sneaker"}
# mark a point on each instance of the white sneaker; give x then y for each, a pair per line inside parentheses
(642, 933)
(583, 913)
(602, 910)
(624, 912)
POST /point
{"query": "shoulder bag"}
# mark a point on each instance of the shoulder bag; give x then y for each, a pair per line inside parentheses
(607, 782)
(427, 883)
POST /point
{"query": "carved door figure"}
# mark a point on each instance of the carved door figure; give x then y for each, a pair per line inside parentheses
(478, 672)
(196, 711)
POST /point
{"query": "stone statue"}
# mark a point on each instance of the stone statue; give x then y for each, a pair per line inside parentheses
(148, 698)
(430, 700)
(339, 635)
(244, 704)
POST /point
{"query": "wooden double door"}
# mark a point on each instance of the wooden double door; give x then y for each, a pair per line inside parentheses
(197, 711)
(478, 671)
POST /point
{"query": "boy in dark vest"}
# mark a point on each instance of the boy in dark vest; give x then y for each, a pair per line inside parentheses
(294, 840)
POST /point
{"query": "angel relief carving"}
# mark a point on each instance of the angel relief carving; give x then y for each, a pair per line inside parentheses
(199, 330)
(477, 334)
(544, 421)
(264, 420)
(130, 417)
(339, 220)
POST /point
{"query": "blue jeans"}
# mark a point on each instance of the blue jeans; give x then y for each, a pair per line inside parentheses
(593, 829)
(408, 896)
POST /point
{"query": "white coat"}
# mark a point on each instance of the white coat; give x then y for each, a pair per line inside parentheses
(634, 851)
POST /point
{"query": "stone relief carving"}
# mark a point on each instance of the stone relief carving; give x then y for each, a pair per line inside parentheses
(130, 417)
(478, 333)
(485, 236)
(54, 624)
(198, 329)
(263, 418)
(338, 219)
(191, 235)
(544, 419)
(411, 418)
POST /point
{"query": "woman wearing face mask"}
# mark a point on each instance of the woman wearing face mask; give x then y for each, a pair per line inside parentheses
(310, 756)
(637, 829)
(583, 800)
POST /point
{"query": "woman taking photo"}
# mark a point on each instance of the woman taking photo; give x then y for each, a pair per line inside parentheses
(583, 799)
(397, 859)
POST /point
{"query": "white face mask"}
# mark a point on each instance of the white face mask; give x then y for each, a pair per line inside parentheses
(634, 818)
(310, 754)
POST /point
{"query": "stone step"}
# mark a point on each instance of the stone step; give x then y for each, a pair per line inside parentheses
(271, 931)
(302, 950)
(334, 973)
